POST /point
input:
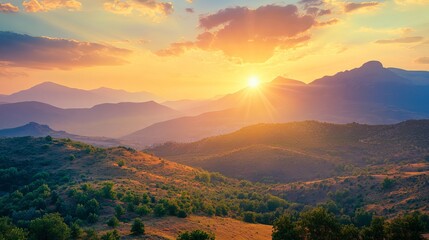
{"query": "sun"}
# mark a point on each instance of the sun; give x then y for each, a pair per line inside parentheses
(253, 82)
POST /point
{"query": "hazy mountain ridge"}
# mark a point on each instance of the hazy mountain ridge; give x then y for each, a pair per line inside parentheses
(370, 94)
(66, 97)
(302, 150)
(107, 120)
(33, 129)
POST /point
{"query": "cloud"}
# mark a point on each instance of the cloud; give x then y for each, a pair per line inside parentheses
(150, 8)
(19, 50)
(401, 40)
(423, 60)
(405, 2)
(350, 7)
(251, 35)
(48, 5)
(189, 10)
(8, 8)
(328, 22)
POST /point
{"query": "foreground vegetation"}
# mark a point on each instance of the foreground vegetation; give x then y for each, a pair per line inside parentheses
(60, 189)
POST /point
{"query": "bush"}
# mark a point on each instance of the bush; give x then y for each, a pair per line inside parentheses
(159, 210)
(75, 231)
(142, 210)
(113, 222)
(50, 226)
(196, 235)
(182, 214)
(119, 211)
(113, 235)
(138, 227)
(388, 183)
(249, 217)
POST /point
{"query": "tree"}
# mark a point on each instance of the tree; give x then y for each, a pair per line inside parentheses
(408, 227)
(113, 222)
(75, 231)
(285, 228)
(349, 232)
(142, 210)
(196, 235)
(119, 211)
(388, 183)
(138, 227)
(10, 231)
(319, 224)
(249, 217)
(92, 206)
(159, 210)
(362, 218)
(375, 231)
(113, 235)
(49, 227)
(91, 234)
(107, 191)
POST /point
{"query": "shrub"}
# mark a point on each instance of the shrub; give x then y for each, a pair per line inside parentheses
(113, 222)
(119, 211)
(196, 235)
(113, 235)
(138, 227)
(142, 210)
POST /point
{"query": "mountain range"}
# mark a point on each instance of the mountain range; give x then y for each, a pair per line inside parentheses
(37, 130)
(107, 120)
(369, 94)
(301, 151)
(66, 97)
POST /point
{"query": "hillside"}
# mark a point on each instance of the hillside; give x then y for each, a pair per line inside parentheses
(78, 172)
(302, 150)
(370, 94)
(105, 120)
(66, 97)
(89, 186)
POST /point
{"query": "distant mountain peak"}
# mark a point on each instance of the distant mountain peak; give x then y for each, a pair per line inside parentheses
(372, 65)
(286, 81)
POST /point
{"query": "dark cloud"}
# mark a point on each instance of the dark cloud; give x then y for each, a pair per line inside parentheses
(349, 7)
(189, 10)
(251, 35)
(19, 50)
(8, 8)
(401, 40)
(423, 60)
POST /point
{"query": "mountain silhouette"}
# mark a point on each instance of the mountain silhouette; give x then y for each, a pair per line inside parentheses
(369, 94)
(66, 97)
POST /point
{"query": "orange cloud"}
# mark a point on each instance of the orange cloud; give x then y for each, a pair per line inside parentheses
(145, 7)
(20, 50)
(48, 5)
(401, 40)
(251, 35)
(8, 8)
(350, 7)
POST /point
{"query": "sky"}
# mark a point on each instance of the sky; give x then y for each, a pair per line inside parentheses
(193, 49)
